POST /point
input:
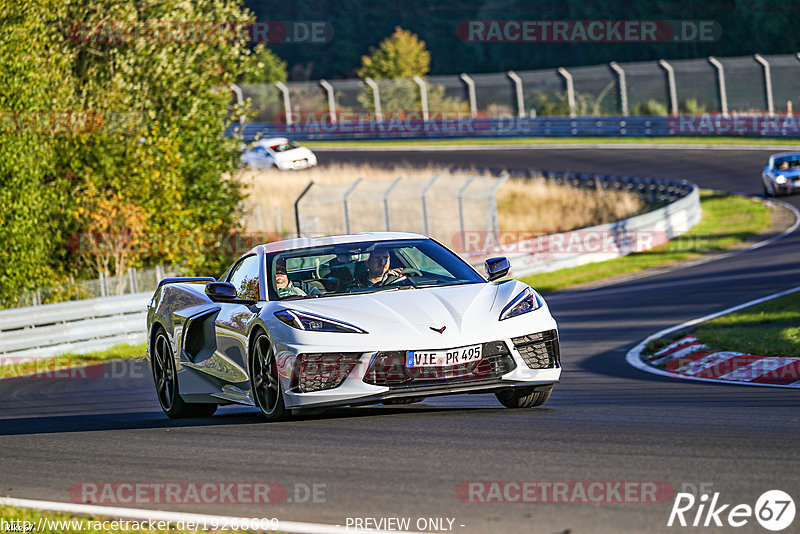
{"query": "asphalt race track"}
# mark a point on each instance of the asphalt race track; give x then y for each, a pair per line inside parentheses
(605, 422)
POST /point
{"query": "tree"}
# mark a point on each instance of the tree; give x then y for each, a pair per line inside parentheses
(401, 55)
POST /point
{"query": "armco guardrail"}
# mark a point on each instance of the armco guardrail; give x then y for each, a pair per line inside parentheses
(680, 211)
(76, 327)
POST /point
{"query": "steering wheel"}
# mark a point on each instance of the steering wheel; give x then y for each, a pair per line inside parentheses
(411, 271)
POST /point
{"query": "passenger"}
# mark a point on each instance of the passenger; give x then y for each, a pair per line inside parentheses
(286, 288)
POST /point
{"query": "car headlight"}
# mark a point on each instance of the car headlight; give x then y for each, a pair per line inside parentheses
(315, 323)
(781, 179)
(527, 301)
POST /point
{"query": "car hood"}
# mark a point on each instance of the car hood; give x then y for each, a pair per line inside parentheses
(293, 154)
(462, 310)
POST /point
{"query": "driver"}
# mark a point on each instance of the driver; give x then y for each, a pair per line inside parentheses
(378, 271)
(783, 166)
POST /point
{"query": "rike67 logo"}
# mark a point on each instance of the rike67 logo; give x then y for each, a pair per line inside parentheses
(774, 510)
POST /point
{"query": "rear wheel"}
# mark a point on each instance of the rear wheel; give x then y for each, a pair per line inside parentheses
(265, 381)
(165, 376)
(524, 397)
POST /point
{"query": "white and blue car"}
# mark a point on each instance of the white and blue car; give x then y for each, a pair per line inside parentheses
(781, 176)
(369, 318)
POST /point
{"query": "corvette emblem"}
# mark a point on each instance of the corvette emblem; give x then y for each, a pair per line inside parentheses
(440, 330)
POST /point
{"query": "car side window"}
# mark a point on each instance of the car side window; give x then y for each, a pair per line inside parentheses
(245, 277)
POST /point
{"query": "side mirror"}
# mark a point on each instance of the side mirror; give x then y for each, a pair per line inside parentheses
(497, 267)
(221, 291)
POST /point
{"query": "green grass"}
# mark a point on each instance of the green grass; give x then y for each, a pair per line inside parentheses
(64, 361)
(728, 222)
(660, 140)
(768, 329)
(76, 524)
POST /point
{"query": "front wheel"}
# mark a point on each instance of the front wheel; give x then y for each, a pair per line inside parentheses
(524, 397)
(265, 383)
(165, 377)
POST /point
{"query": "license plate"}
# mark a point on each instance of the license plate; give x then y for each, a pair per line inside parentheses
(443, 358)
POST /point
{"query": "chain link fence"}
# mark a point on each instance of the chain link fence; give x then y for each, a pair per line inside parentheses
(748, 84)
(440, 206)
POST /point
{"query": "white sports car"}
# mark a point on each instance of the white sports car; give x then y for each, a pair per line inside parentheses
(280, 153)
(359, 319)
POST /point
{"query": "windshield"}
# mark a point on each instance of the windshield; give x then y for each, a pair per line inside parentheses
(791, 162)
(368, 267)
(285, 146)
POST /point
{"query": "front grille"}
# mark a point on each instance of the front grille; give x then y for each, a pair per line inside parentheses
(389, 368)
(316, 372)
(540, 350)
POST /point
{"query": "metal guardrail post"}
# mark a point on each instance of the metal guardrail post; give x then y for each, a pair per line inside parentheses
(297, 209)
(376, 98)
(287, 102)
(473, 101)
(723, 94)
(344, 204)
(103, 284)
(518, 90)
(423, 95)
(460, 197)
(570, 89)
(331, 99)
(239, 100)
(425, 224)
(767, 83)
(623, 87)
(159, 273)
(386, 221)
(671, 88)
(133, 280)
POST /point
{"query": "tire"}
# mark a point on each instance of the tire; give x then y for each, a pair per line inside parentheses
(766, 191)
(265, 384)
(524, 397)
(165, 378)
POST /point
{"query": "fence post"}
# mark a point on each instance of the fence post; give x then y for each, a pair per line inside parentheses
(518, 89)
(386, 221)
(159, 273)
(570, 89)
(473, 101)
(723, 94)
(623, 87)
(344, 205)
(376, 97)
(331, 99)
(671, 89)
(134, 281)
(239, 99)
(103, 284)
(493, 223)
(287, 102)
(460, 197)
(423, 95)
(425, 225)
(767, 83)
(296, 207)
(259, 219)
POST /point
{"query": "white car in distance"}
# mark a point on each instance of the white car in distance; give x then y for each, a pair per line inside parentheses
(279, 153)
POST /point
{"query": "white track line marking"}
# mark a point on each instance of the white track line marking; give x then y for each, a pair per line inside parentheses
(138, 514)
(634, 356)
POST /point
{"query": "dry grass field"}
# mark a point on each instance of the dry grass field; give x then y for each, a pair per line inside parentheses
(523, 205)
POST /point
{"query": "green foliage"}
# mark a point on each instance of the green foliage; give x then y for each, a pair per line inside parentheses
(266, 67)
(151, 164)
(651, 107)
(691, 105)
(402, 55)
